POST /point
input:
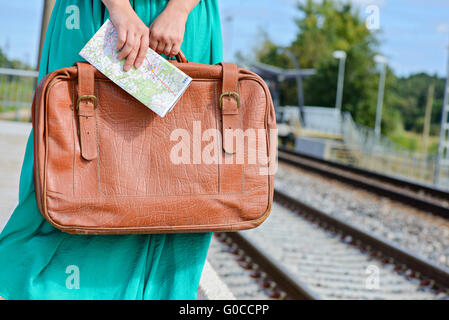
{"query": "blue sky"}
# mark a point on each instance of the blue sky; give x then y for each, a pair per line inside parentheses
(414, 33)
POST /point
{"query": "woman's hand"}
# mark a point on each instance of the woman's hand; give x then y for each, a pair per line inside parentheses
(167, 30)
(163, 36)
(133, 34)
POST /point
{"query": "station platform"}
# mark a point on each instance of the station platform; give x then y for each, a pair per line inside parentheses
(13, 138)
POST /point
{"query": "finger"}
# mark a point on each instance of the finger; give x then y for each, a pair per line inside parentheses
(175, 50)
(130, 59)
(160, 47)
(144, 40)
(167, 49)
(121, 38)
(129, 46)
(153, 42)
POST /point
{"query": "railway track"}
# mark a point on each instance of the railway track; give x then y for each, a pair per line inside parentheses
(303, 253)
(417, 195)
(262, 277)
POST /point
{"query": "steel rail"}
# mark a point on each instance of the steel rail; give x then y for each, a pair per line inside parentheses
(290, 284)
(402, 256)
(357, 177)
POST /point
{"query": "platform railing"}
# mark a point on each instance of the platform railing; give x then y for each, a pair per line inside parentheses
(16, 93)
(383, 155)
(379, 154)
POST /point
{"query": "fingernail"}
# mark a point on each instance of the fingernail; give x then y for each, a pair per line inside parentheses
(138, 64)
(126, 67)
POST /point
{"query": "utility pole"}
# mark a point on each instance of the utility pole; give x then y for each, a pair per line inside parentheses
(443, 143)
(429, 104)
(341, 56)
(382, 61)
(46, 13)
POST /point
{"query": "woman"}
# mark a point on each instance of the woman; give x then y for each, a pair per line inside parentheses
(38, 261)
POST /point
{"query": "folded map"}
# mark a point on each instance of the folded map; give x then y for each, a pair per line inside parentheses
(157, 83)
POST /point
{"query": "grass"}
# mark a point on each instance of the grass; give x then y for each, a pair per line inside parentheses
(414, 141)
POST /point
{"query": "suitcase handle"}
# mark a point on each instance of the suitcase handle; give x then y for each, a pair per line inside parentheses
(180, 57)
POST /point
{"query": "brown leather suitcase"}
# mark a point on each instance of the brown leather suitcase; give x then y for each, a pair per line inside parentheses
(106, 164)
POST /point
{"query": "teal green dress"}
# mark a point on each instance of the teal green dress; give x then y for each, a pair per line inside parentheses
(38, 261)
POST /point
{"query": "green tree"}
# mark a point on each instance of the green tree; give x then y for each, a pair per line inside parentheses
(325, 27)
(412, 93)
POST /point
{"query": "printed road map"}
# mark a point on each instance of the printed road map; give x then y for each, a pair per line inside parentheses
(156, 83)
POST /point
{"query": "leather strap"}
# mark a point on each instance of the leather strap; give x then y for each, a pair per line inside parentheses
(229, 104)
(86, 105)
(231, 171)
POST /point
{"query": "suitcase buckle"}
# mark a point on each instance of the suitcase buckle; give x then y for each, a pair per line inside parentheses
(87, 97)
(230, 93)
